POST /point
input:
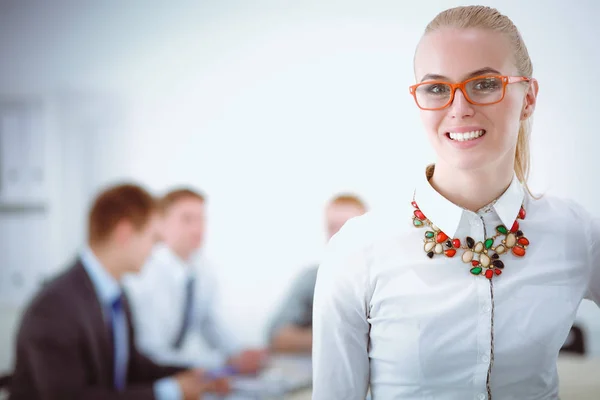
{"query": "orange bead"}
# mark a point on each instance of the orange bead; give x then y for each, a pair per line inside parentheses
(518, 251)
(515, 226)
(419, 214)
(450, 252)
(441, 237)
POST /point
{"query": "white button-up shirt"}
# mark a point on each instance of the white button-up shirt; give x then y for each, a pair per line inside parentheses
(388, 317)
(157, 297)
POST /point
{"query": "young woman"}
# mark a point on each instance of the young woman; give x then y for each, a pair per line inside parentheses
(469, 290)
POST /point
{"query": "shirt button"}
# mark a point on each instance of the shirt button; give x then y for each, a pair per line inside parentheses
(485, 359)
(481, 396)
(486, 309)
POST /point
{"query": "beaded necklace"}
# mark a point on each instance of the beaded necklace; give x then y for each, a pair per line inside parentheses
(483, 257)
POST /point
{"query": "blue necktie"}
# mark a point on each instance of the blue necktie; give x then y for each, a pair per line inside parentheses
(120, 345)
(187, 313)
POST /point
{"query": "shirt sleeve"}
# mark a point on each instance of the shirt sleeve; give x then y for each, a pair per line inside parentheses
(340, 311)
(593, 291)
(296, 309)
(167, 389)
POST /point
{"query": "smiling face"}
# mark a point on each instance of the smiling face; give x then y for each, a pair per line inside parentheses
(466, 136)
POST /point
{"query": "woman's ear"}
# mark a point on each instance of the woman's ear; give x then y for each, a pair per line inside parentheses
(530, 100)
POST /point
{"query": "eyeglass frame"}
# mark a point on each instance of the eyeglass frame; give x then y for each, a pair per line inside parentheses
(506, 80)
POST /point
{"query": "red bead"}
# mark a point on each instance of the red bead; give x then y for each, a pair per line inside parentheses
(515, 226)
(474, 263)
(419, 214)
(414, 204)
(450, 252)
(498, 271)
(489, 273)
(456, 243)
(518, 251)
(522, 213)
(523, 241)
(441, 237)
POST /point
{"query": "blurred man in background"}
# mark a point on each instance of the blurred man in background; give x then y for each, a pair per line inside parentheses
(76, 339)
(174, 298)
(291, 329)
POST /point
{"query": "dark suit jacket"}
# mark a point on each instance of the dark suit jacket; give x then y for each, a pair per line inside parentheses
(64, 348)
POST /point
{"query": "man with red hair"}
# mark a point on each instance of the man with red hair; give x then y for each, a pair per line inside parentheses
(76, 339)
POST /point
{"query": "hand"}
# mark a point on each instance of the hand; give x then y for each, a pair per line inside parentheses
(192, 384)
(249, 361)
(292, 339)
(219, 386)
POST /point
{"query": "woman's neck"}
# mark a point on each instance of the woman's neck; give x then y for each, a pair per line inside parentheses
(470, 189)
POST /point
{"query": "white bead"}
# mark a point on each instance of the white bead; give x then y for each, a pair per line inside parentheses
(511, 240)
(478, 247)
(484, 260)
(467, 256)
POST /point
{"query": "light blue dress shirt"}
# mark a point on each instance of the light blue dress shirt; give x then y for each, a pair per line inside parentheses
(108, 290)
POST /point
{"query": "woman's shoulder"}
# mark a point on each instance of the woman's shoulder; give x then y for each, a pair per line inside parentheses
(374, 226)
(559, 208)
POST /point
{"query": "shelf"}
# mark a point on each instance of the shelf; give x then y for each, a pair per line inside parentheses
(22, 208)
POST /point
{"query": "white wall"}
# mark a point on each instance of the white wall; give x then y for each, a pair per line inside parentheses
(272, 108)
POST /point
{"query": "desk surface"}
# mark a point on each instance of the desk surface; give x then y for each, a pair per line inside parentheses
(579, 378)
(302, 395)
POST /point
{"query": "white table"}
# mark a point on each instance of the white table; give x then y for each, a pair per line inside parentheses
(303, 395)
(579, 378)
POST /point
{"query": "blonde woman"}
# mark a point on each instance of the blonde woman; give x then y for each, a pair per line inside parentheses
(468, 290)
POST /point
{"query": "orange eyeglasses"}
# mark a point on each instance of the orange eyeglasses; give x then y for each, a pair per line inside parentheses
(480, 90)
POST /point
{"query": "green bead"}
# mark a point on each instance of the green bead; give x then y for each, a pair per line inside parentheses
(502, 229)
(429, 234)
(488, 243)
(417, 222)
(476, 270)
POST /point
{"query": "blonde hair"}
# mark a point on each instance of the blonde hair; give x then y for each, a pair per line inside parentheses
(489, 18)
(348, 199)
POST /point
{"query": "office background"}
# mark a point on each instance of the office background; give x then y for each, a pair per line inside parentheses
(268, 107)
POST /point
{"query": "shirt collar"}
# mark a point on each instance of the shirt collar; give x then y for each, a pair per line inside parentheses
(447, 215)
(107, 287)
(180, 268)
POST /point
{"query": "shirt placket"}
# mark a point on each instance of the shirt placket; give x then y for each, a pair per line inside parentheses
(484, 317)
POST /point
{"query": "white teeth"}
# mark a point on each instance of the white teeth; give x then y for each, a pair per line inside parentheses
(461, 137)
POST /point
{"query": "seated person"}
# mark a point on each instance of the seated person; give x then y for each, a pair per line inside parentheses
(173, 298)
(76, 340)
(291, 329)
